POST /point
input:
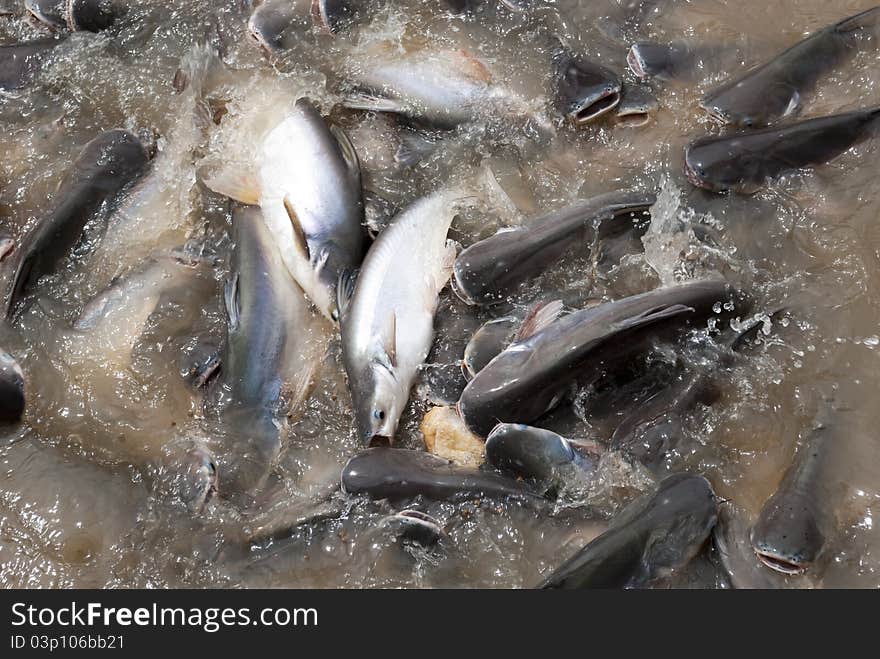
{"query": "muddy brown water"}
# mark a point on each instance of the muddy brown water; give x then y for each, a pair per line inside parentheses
(78, 502)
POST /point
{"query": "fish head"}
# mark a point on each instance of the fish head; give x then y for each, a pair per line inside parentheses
(378, 398)
(268, 26)
(586, 91)
(90, 15)
(787, 536)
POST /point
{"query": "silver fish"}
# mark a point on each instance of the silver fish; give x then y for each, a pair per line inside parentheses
(387, 318)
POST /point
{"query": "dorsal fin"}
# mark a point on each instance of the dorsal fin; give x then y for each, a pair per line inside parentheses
(300, 242)
(344, 291)
(233, 302)
(349, 154)
(539, 317)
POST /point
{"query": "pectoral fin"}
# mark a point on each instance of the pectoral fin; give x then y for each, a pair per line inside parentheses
(232, 301)
(300, 242)
(239, 185)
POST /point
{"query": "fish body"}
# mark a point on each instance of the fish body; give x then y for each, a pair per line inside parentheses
(307, 183)
(531, 376)
(270, 356)
(387, 324)
(648, 540)
(744, 162)
(789, 534)
(490, 269)
(392, 473)
(102, 169)
(586, 91)
(775, 90)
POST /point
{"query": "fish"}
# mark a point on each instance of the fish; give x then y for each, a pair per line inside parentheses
(50, 13)
(20, 62)
(738, 561)
(416, 527)
(650, 539)
(90, 15)
(586, 91)
(648, 59)
(270, 359)
(531, 376)
(273, 24)
(103, 168)
(12, 389)
(383, 472)
(653, 428)
(387, 311)
(541, 456)
(332, 16)
(307, 182)
(789, 535)
(745, 162)
(495, 335)
(438, 87)
(104, 335)
(637, 108)
(775, 90)
(489, 270)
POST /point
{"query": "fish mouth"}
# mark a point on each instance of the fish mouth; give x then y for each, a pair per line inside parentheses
(781, 563)
(459, 291)
(592, 110)
(695, 179)
(634, 119)
(636, 63)
(383, 441)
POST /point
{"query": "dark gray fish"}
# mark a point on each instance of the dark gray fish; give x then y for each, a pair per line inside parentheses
(200, 362)
(490, 269)
(267, 366)
(637, 108)
(487, 343)
(336, 15)
(393, 473)
(103, 168)
(735, 554)
(789, 535)
(51, 13)
(90, 15)
(586, 91)
(662, 61)
(12, 398)
(541, 456)
(744, 162)
(20, 62)
(531, 376)
(774, 90)
(416, 527)
(651, 538)
(654, 427)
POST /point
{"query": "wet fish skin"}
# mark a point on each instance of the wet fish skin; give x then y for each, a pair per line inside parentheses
(487, 343)
(774, 90)
(490, 269)
(540, 455)
(637, 107)
(653, 536)
(308, 185)
(662, 61)
(104, 167)
(273, 25)
(263, 376)
(48, 12)
(20, 62)
(789, 534)
(12, 389)
(586, 91)
(734, 552)
(333, 16)
(744, 162)
(393, 473)
(531, 376)
(387, 314)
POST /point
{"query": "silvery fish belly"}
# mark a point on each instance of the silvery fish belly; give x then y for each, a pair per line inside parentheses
(306, 179)
(388, 311)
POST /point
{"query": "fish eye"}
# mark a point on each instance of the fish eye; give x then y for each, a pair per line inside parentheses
(379, 414)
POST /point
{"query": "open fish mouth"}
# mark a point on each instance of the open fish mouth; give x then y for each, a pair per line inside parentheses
(636, 63)
(695, 179)
(592, 111)
(780, 563)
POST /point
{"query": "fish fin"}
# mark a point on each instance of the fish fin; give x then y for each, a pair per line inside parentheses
(241, 186)
(300, 242)
(371, 103)
(447, 263)
(232, 301)
(653, 315)
(539, 317)
(345, 291)
(867, 18)
(348, 151)
(390, 346)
